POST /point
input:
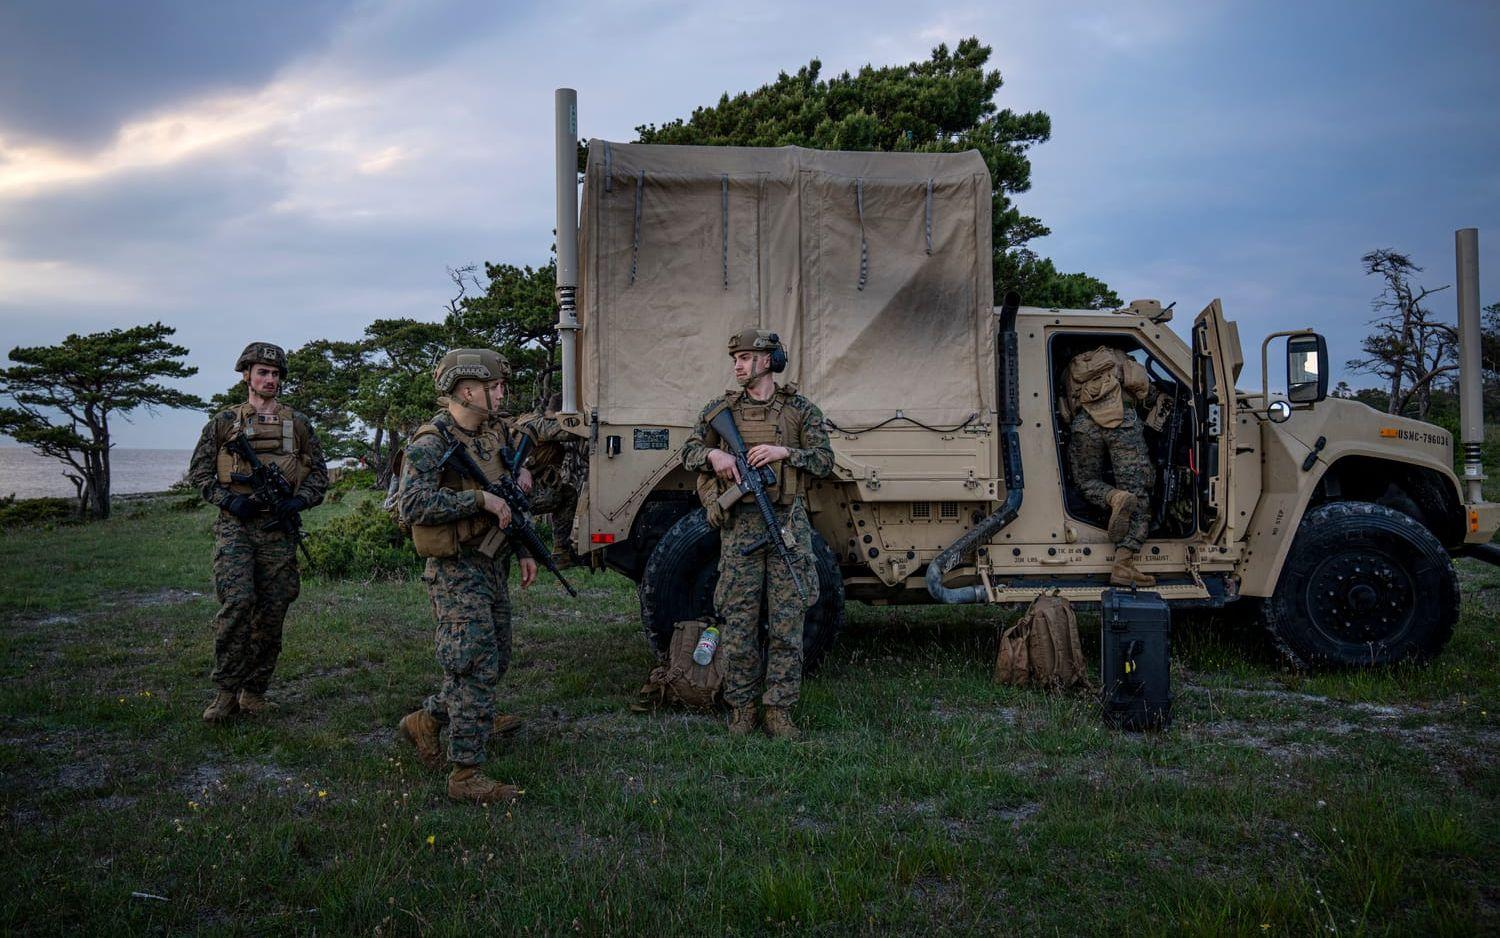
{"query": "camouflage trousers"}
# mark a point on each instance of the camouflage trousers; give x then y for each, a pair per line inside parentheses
(255, 578)
(1125, 446)
(758, 589)
(471, 600)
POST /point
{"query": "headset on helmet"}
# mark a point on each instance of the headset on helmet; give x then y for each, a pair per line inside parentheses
(760, 340)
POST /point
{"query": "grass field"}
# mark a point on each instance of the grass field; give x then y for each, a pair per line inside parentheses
(924, 796)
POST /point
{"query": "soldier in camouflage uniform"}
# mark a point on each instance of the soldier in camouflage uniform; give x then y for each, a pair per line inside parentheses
(558, 464)
(458, 527)
(784, 430)
(1103, 387)
(255, 570)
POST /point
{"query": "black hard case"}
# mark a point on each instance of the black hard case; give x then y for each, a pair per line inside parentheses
(1135, 658)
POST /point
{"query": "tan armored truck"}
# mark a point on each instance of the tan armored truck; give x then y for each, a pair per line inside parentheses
(1334, 522)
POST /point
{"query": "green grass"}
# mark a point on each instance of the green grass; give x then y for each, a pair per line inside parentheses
(923, 798)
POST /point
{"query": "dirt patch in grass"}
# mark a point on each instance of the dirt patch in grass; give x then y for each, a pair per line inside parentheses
(212, 782)
(170, 596)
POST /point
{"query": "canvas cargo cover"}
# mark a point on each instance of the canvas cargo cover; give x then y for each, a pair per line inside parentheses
(875, 269)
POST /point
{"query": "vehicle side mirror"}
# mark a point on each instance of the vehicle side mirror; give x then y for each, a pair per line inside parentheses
(1306, 368)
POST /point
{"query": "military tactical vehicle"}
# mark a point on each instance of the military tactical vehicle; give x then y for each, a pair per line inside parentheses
(1335, 523)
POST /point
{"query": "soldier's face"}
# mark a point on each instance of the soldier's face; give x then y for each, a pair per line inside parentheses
(748, 363)
(483, 393)
(264, 380)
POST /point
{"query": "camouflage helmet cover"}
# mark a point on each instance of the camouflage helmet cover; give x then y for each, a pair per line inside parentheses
(261, 353)
(754, 340)
(481, 364)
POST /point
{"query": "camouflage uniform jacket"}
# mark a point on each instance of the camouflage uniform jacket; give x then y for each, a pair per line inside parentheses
(203, 469)
(424, 500)
(813, 455)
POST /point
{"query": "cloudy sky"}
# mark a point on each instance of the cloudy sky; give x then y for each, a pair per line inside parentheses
(295, 170)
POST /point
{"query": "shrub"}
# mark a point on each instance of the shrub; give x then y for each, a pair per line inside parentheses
(364, 544)
(37, 512)
(351, 480)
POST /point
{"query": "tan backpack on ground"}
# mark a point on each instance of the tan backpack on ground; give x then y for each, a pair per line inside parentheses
(1042, 648)
(682, 680)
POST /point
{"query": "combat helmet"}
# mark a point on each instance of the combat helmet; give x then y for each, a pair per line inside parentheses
(482, 364)
(759, 340)
(262, 353)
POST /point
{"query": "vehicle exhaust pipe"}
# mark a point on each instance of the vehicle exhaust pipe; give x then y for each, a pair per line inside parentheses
(1489, 553)
(1010, 457)
(1470, 377)
(565, 101)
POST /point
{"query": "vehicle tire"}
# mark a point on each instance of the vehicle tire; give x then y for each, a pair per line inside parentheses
(683, 569)
(1363, 585)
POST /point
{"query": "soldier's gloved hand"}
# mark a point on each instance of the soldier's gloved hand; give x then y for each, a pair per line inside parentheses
(293, 505)
(240, 506)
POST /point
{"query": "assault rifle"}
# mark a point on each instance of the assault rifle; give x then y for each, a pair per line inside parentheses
(754, 482)
(1170, 480)
(271, 490)
(519, 530)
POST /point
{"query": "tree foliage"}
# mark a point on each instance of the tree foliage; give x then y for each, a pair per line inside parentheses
(517, 315)
(65, 394)
(1409, 348)
(367, 396)
(1490, 358)
(943, 104)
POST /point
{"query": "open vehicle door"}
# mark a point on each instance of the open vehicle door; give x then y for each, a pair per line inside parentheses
(1216, 365)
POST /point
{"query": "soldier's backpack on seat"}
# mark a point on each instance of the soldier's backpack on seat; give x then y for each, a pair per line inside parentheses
(682, 680)
(1135, 659)
(1042, 648)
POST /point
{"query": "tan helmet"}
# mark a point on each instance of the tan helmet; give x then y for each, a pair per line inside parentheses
(751, 339)
(262, 353)
(481, 364)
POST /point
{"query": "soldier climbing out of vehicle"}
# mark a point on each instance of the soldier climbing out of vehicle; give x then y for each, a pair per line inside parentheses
(784, 431)
(1102, 388)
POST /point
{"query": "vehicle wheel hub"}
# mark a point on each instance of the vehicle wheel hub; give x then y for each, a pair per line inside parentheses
(1361, 596)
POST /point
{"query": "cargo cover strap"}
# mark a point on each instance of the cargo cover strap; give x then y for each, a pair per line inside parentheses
(928, 215)
(864, 245)
(635, 240)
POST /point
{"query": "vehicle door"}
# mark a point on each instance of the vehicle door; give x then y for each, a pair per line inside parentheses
(1217, 361)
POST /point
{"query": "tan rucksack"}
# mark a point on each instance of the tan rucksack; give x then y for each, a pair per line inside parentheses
(1042, 648)
(682, 680)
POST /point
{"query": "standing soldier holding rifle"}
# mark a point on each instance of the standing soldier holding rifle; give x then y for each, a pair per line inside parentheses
(467, 532)
(262, 465)
(766, 540)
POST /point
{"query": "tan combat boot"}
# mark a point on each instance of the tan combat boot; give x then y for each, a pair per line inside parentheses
(421, 730)
(1122, 507)
(466, 784)
(253, 703)
(224, 706)
(779, 724)
(507, 723)
(1124, 572)
(742, 720)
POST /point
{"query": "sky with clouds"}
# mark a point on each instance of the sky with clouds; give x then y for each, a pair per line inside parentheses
(294, 170)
